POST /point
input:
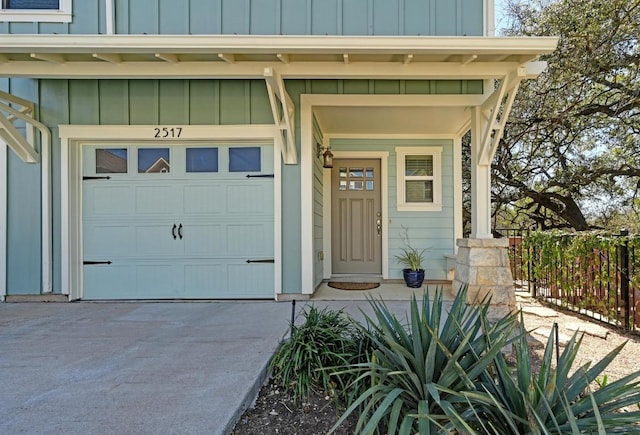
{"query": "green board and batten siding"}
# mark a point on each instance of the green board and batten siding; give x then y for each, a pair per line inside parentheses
(271, 17)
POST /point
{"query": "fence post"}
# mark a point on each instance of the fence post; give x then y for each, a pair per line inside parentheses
(532, 270)
(624, 278)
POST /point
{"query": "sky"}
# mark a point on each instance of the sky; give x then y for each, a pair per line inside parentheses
(499, 15)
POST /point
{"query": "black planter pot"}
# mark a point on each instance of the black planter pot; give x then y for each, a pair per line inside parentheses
(413, 278)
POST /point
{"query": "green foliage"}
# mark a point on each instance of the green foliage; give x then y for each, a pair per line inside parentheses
(419, 373)
(554, 401)
(570, 155)
(574, 268)
(326, 339)
(410, 258)
(602, 381)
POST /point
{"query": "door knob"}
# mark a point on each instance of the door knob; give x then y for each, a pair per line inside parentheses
(379, 227)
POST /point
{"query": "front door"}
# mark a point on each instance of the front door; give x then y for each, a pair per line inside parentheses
(356, 217)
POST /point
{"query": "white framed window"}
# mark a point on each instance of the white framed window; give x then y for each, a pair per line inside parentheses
(54, 11)
(419, 178)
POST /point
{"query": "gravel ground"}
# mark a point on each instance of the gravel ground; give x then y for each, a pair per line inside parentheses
(599, 339)
(275, 412)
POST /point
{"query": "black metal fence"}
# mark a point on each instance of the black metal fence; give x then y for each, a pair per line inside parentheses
(596, 275)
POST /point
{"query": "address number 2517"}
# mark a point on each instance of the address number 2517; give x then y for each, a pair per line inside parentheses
(167, 132)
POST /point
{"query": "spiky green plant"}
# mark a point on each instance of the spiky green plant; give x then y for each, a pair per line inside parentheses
(326, 338)
(419, 369)
(554, 401)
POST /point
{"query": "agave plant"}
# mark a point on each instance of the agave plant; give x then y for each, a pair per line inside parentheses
(554, 401)
(419, 370)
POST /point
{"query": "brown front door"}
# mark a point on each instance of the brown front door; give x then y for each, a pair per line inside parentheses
(356, 217)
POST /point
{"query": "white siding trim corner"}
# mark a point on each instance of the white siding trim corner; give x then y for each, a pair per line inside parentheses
(277, 214)
(489, 18)
(47, 224)
(3, 220)
(110, 16)
(306, 195)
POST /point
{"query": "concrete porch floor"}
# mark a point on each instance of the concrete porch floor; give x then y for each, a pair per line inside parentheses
(388, 291)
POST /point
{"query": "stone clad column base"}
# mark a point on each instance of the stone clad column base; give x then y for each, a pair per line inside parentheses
(483, 265)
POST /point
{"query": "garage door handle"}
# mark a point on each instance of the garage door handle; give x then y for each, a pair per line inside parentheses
(173, 231)
(271, 260)
(180, 231)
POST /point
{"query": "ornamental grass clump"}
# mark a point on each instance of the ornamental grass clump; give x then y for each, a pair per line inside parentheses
(554, 401)
(421, 371)
(326, 338)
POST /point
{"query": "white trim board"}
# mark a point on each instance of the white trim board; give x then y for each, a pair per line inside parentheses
(116, 69)
(247, 56)
(284, 44)
(74, 136)
(3, 220)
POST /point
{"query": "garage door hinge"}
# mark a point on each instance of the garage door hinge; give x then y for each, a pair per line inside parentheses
(260, 176)
(96, 178)
(271, 260)
(93, 263)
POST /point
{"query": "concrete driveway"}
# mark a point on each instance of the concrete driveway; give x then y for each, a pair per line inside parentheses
(140, 367)
(133, 368)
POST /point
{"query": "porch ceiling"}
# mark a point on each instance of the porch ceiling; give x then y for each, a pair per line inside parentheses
(341, 121)
(246, 56)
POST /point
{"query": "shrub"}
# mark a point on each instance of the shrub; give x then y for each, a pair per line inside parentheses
(418, 371)
(325, 339)
(553, 401)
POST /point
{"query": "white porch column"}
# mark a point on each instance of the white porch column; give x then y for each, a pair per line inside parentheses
(480, 182)
(482, 262)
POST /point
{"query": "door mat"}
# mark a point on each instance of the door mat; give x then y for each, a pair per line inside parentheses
(354, 285)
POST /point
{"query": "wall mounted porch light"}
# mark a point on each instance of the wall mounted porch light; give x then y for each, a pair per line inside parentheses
(327, 155)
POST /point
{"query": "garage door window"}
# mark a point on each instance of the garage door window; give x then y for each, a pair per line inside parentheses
(111, 161)
(153, 160)
(202, 159)
(245, 159)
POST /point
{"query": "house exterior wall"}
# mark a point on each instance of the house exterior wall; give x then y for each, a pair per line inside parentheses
(152, 102)
(271, 17)
(209, 102)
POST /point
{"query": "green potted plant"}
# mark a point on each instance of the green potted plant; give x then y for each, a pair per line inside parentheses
(411, 258)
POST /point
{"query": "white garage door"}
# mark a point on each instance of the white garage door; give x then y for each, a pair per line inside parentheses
(178, 222)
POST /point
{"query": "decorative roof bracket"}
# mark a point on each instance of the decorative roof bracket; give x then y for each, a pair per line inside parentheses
(283, 114)
(13, 108)
(495, 112)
